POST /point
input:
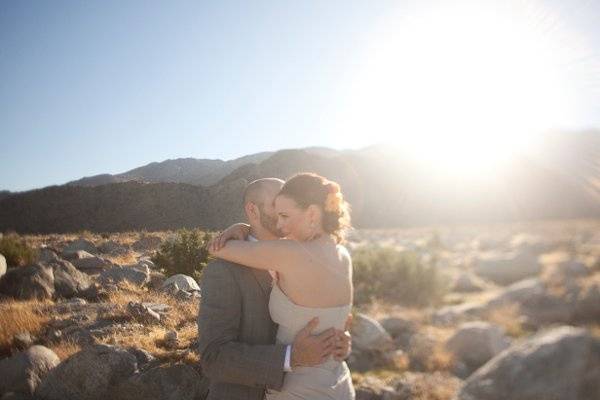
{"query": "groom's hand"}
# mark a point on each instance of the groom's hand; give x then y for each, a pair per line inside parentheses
(343, 343)
(309, 350)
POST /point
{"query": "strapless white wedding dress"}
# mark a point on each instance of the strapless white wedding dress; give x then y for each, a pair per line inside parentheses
(330, 380)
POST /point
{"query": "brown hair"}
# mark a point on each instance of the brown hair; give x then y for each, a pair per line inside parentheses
(308, 188)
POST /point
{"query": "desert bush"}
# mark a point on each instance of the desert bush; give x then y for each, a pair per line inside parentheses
(386, 274)
(185, 254)
(16, 250)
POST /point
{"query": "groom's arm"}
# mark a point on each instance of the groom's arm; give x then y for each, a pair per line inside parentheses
(222, 356)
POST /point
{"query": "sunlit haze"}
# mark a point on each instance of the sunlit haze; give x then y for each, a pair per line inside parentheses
(465, 84)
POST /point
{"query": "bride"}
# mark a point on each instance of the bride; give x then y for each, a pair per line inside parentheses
(314, 276)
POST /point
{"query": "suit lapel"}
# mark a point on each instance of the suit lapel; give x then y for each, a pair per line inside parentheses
(264, 280)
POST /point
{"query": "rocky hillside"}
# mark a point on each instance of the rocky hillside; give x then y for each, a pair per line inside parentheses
(384, 187)
(182, 170)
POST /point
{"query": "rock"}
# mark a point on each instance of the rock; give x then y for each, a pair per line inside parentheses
(143, 314)
(368, 334)
(23, 372)
(506, 268)
(175, 382)
(171, 340)
(113, 248)
(47, 255)
(3, 265)
(157, 279)
(565, 272)
(30, 282)
(147, 262)
(420, 349)
(91, 374)
(146, 242)
(531, 243)
(476, 342)
(372, 388)
(561, 363)
(68, 280)
(397, 326)
(181, 282)
(76, 255)
(142, 356)
(452, 314)
(466, 282)
(518, 292)
(136, 274)
(587, 304)
(92, 264)
(400, 329)
(79, 244)
(23, 340)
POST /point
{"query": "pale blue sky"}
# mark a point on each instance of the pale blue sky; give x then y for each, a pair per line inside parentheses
(89, 87)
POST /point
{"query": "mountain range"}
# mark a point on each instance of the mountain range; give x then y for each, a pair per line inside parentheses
(386, 187)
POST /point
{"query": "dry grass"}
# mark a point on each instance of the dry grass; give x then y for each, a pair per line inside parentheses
(20, 316)
(123, 259)
(181, 318)
(64, 349)
(508, 317)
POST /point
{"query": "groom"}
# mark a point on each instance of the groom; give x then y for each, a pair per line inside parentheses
(236, 334)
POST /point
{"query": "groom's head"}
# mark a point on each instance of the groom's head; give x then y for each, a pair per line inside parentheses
(259, 198)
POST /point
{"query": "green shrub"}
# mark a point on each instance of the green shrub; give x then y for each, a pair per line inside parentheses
(16, 250)
(186, 254)
(382, 273)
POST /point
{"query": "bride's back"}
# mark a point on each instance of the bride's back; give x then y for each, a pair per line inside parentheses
(321, 278)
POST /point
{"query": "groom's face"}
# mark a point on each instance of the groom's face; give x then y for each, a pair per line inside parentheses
(268, 215)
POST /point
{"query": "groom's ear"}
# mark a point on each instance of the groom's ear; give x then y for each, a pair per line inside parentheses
(251, 211)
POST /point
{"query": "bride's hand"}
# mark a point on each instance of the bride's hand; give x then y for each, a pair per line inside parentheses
(238, 231)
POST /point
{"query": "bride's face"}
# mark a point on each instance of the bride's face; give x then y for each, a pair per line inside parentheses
(292, 220)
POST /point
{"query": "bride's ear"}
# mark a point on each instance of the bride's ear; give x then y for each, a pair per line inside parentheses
(313, 213)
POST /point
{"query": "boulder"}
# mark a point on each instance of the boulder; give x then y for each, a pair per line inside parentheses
(181, 282)
(143, 313)
(80, 244)
(47, 254)
(3, 265)
(68, 280)
(146, 242)
(91, 264)
(175, 382)
(476, 342)
(368, 334)
(23, 372)
(113, 248)
(507, 268)
(31, 282)
(452, 314)
(587, 304)
(91, 374)
(23, 340)
(76, 255)
(466, 282)
(136, 274)
(560, 363)
(519, 292)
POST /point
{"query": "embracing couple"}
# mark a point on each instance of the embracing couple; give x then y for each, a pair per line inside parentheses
(276, 303)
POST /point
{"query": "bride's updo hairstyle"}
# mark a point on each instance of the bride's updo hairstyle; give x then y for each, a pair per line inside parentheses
(308, 188)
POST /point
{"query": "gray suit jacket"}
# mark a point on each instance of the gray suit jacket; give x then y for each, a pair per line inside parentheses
(236, 333)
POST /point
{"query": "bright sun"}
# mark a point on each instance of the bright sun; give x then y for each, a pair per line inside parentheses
(463, 85)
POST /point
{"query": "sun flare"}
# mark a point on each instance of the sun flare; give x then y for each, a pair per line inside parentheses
(462, 84)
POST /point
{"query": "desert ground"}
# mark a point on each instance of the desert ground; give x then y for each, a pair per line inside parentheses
(514, 314)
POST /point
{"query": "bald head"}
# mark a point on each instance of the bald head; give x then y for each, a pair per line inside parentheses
(262, 191)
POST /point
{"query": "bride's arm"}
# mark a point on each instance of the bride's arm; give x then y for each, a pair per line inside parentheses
(276, 255)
